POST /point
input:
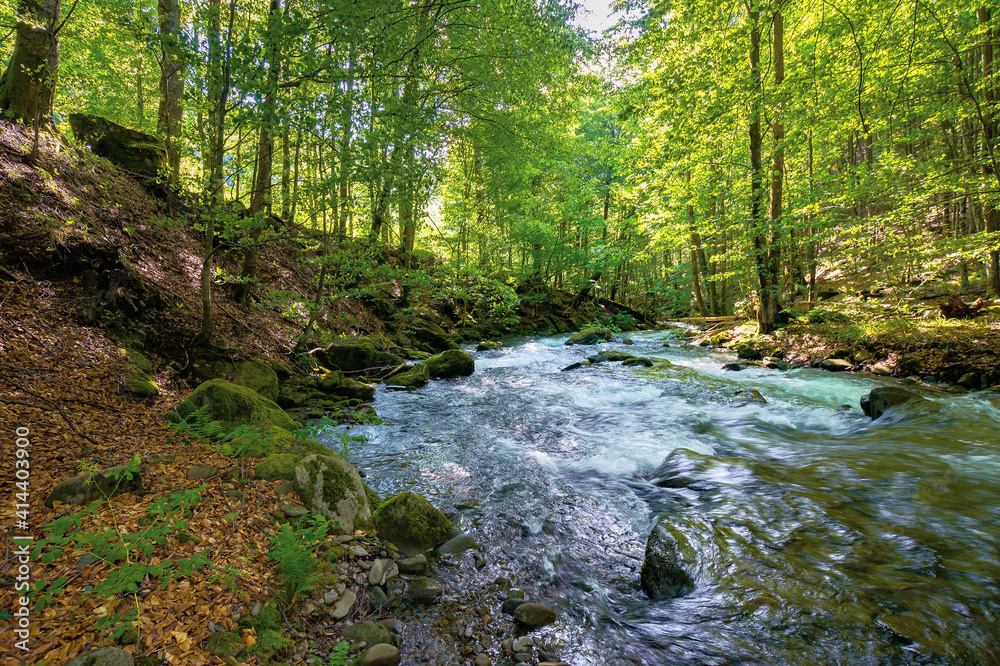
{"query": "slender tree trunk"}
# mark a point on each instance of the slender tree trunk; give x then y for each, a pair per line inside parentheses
(777, 168)
(260, 198)
(170, 115)
(695, 244)
(766, 309)
(28, 85)
(286, 174)
(989, 137)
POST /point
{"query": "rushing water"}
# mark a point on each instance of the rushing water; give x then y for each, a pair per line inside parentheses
(820, 536)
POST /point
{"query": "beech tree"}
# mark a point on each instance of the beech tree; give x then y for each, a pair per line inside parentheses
(28, 84)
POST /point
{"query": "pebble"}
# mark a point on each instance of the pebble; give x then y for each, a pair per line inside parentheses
(294, 510)
(424, 590)
(413, 565)
(523, 644)
(382, 654)
(359, 551)
(483, 659)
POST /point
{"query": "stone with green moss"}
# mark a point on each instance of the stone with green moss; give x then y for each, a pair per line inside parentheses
(283, 370)
(258, 376)
(99, 485)
(233, 405)
(138, 360)
(267, 440)
(225, 644)
(412, 378)
(356, 355)
(277, 466)
(139, 384)
(373, 499)
(590, 336)
(411, 523)
(269, 617)
(270, 645)
(450, 363)
(332, 487)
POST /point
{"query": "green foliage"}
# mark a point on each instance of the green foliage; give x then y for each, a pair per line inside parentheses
(125, 554)
(294, 553)
(340, 655)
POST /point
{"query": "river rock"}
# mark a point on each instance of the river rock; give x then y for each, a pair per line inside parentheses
(416, 376)
(450, 363)
(343, 606)
(534, 615)
(610, 356)
(332, 487)
(380, 655)
(458, 545)
(879, 400)
(733, 367)
(424, 590)
(356, 355)
(369, 632)
(970, 380)
(638, 360)
(413, 565)
(411, 523)
(662, 575)
(835, 364)
(590, 336)
(201, 472)
(747, 397)
(488, 345)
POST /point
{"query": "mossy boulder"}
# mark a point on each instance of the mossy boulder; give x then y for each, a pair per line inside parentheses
(334, 383)
(356, 355)
(412, 378)
(103, 657)
(266, 440)
(332, 487)
(130, 149)
(140, 385)
(258, 376)
(611, 356)
(138, 360)
(233, 405)
(86, 488)
(283, 370)
(487, 345)
(277, 466)
(450, 363)
(590, 336)
(412, 523)
(374, 501)
(431, 334)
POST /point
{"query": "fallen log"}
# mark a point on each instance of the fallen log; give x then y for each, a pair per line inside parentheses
(956, 308)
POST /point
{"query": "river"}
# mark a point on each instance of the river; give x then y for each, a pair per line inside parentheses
(821, 537)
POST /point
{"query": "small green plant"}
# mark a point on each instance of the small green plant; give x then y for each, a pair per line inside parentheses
(294, 553)
(127, 554)
(341, 655)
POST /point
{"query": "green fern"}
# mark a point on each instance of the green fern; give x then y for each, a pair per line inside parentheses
(294, 552)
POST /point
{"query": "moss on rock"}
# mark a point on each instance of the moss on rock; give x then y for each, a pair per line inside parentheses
(412, 523)
(332, 487)
(450, 363)
(257, 376)
(277, 466)
(233, 405)
(590, 336)
(139, 384)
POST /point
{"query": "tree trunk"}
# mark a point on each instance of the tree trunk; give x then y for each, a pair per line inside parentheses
(260, 198)
(695, 244)
(27, 86)
(989, 137)
(171, 114)
(766, 309)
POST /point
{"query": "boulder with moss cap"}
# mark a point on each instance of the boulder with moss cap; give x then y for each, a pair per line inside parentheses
(450, 363)
(412, 523)
(332, 487)
(258, 376)
(233, 405)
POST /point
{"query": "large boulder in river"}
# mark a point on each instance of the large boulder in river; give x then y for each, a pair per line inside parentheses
(130, 149)
(332, 487)
(590, 336)
(879, 400)
(663, 575)
(412, 523)
(416, 376)
(232, 405)
(450, 363)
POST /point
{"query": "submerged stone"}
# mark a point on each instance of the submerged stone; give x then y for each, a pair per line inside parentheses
(662, 576)
(881, 399)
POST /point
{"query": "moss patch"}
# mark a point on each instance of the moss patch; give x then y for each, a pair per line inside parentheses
(278, 466)
(233, 405)
(138, 383)
(412, 523)
(257, 376)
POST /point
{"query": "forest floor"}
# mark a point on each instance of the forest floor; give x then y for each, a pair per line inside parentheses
(69, 219)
